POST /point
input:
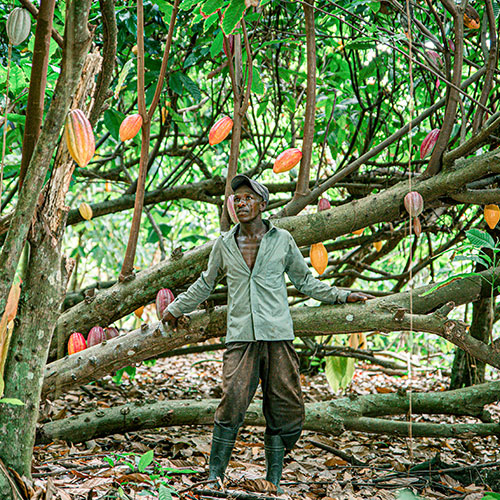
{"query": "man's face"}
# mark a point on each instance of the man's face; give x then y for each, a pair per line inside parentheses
(247, 203)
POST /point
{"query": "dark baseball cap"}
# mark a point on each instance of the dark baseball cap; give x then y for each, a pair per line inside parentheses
(240, 180)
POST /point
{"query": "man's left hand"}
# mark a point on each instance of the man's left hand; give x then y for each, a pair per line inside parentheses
(359, 297)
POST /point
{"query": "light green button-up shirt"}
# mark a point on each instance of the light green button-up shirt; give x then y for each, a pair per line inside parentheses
(257, 305)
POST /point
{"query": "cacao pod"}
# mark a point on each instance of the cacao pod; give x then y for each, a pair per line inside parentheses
(319, 257)
(111, 332)
(164, 297)
(378, 245)
(417, 227)
(85, 211)
(323, 204)
(231, 210)
(428, 143)
(96, 336)
(76, 343)
(134, 50)
(138, 312)
(357, 340)
(287, 160)
(471, 18)
(18, 26)
(435, 57)
(359, 232)
(130, 126)
(491, 215)
(220, 130)
(79, 137)
(414, 203)
(107, 187)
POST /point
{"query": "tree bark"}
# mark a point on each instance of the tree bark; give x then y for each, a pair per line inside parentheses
(350, 413)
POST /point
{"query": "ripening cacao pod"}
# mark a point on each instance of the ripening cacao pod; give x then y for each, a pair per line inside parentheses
(18, 26)
(220, 130)
(107, 187)
(138, 312)
(359, 232)
(79, 137)
(164, 297)
(323, 204)
(417, 227)
(231, 210)
(319, 257)
(287, 160)
(76, 343)
(491, 215)
(471, 18)
(378, 245)
(130, 126)
(357, 340)
(111, 332)
(414, 203)
(85, 211)
(428, 143)
(96, 336)
(435, 57)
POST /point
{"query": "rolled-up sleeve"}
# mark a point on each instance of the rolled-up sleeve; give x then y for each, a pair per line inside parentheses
(202, 287)
(306, 283)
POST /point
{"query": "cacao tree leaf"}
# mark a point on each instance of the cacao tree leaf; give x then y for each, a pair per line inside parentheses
(12, 401)
(191, 87)
(448, 281)
(175, 82)
(209, 22)
(164, 493)
(257, 83)
(475, 258)
(123, 74)
(113, 119)
(145, 460)
(338, 370)
(232, 15)
(210, 7)
(480, 238)
(216, 47)
(188, 4)
(165, 8)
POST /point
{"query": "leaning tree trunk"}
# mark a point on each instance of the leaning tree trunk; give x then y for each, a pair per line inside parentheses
(467, 370)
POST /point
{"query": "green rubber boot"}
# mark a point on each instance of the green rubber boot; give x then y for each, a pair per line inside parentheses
(222, 446)
(275, 453)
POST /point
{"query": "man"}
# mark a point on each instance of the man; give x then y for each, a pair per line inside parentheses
(255, 255)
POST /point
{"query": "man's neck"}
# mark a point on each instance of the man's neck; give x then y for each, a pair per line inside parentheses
(252, 229)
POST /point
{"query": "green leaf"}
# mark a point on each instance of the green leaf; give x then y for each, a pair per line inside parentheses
(164, 493)
(165, 8)
(187, 4)
(123, 74)
(474, 258)
(211, 6)
(216, 47)
(17, 80)
(232, 15)
(191, 87)
(12, 401)
(339, 371)
(145, 460)
(175, 82)
(257, 83)
(491, 496)
(449, 280)
(480, 238)
(113, 119)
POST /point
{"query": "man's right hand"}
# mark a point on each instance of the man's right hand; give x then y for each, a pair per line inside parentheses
(171, 320)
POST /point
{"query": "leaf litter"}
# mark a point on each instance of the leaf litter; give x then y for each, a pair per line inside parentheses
(110, 468)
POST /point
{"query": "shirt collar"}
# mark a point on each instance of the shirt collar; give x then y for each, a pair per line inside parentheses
(230, 234)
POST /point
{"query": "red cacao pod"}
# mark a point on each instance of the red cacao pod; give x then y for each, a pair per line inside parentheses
(491, 215)
(164, 297)
(96, 336)
(319, 257)
(417, 227)
(76, 343)
(220, 130)
(323, 204)
(287, 160)
(231, 210)
(79, 137)
(18, 26)
(130, 126)
(428, 143)
(414, 203)
(111, 332)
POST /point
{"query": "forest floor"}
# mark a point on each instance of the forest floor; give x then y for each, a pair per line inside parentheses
(120, 467)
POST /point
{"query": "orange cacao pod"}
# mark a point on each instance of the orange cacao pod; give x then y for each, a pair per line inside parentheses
(471, 18)
(130, 126)
(85, 211)
(287, 160)
(323, 204)
(111, 332)
(319, 257)
(359, 231)
(414, 203)
(76, 343)
(220, 130)
(164, 297)
(417, 227)
(231, 210)
(18, 26)
(107, 187)
(491, 215)
(138, 312)
(378, 245)
(428, 143)
(96, 336)
(79, 137)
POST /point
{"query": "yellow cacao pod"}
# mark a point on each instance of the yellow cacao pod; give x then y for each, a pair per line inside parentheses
(107, 187)
(220, 130)
(491, 215)
(319, 257)
(85, 211)
(18, 26)
(130, 126)
(377, 245)
(79, 137)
